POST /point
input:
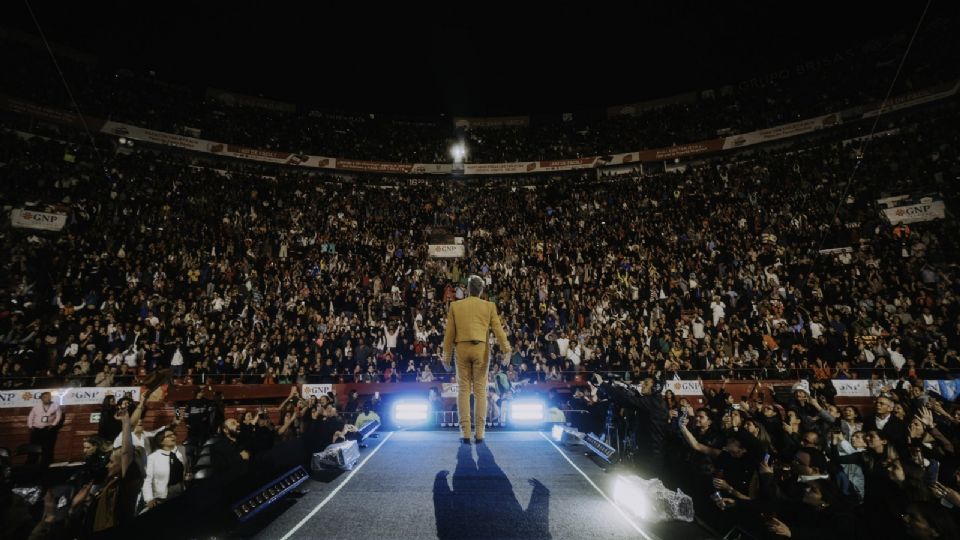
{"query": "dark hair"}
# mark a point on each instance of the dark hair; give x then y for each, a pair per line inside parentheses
(937, 517)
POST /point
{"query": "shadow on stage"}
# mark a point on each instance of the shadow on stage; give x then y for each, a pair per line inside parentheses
(481, 503)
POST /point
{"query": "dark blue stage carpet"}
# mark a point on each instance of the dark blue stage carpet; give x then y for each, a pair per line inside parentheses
(425, 484)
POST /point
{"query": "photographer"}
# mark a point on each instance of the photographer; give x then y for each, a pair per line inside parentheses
(646, 416)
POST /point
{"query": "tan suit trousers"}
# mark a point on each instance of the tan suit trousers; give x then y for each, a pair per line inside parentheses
(473, 362)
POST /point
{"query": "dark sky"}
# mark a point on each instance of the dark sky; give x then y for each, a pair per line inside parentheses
(468, 58)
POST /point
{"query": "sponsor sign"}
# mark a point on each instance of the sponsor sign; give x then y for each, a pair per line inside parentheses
(307, 390)
(853, 388)
(684, 388)
(31, 219)
(912, 99)
(447, 251)
(924, 211)
(449, 390)
(493, 121)
(783, 131)
(681, 150)
(87, 395)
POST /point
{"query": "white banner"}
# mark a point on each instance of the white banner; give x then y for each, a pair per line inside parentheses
(853, 387)
(449, 390)
(307, 390)
(912, 99)
(924, 211)
(31, 219)
(782, 131)
(87, 395)
(684, 388)
(446, 250)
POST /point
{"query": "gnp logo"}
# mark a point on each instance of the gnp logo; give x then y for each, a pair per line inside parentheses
(914, 210)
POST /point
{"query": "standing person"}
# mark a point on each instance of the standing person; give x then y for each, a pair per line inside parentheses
(166, 471)
(469, 321)
(44, 421)
(199, 412)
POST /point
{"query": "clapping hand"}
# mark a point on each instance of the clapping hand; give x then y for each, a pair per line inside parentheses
(947, 493)
(778, 527)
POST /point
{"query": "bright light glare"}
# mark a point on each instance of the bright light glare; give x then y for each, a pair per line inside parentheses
(411, 411)
(526, 411)
(458, 152)
(629, 495)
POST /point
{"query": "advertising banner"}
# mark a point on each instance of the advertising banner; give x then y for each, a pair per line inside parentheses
(684, 388)
(447, 251)
(853, 388)
(925, 211)
(307, 390)
(31, 219)
(92, 395)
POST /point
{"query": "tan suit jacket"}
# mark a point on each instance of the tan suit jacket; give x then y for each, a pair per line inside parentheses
(471, 319)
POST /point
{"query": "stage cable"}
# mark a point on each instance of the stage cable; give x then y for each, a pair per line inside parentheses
(862, 151)
(66, 86)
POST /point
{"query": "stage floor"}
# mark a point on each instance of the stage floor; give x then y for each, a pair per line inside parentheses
(425, 484)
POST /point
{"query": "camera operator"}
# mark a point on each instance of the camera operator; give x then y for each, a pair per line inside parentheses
(646, 415)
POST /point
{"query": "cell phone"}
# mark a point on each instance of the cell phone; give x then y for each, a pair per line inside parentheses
(376, 395)
(176, 413)
(766, 458)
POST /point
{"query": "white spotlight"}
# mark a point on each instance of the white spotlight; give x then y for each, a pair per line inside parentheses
(629, 494)
(526, 411)
(410, 412)
(123, 140)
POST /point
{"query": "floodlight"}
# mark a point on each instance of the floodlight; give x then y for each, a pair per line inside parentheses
(629, 494)
(411, 411)
(526, 411)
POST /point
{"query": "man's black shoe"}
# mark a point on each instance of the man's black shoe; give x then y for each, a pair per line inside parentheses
(479, 440)
(465, 440)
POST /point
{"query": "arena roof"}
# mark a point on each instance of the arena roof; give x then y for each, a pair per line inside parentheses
(461, 59)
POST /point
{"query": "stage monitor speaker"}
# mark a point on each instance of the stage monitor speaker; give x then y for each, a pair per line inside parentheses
(603, 450)
(269, 493)
(342, 455)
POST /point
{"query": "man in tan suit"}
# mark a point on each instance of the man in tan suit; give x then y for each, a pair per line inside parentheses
(468, 323)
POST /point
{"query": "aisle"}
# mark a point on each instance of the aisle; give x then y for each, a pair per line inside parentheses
(418, 484)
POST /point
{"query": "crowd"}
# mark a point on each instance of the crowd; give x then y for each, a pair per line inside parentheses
(802, 466)
(226, 276)
(172, 267)
(820, 85)
(129, 471)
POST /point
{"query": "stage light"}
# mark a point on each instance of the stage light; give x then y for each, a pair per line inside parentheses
(344, 455)
(268, 494)
(458, 152)
(650, 500)
(526, 411)
(629, 494)
(603, 450)
(411, 411)
(565, 434)
(123, 141)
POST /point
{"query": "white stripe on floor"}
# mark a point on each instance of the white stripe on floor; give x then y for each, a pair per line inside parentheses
(335, 491)
(600, 491)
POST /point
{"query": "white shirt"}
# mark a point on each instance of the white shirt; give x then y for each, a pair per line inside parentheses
(698, 332)
(143, 440)
(562, 344)
(158, 473)
(897, 359)
(816, 330)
